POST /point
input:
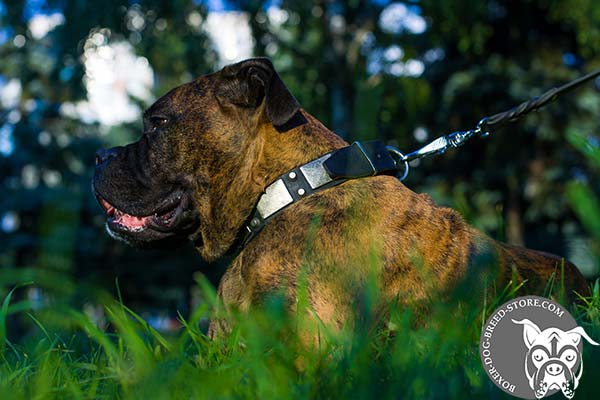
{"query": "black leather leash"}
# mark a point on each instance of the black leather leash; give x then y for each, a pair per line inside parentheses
(496, 121)
(372, 158)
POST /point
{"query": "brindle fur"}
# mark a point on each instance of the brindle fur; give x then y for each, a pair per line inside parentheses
(223, 142)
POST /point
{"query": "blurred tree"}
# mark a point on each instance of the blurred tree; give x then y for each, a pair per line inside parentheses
(51, 227)
(498, 54)
(584, 199)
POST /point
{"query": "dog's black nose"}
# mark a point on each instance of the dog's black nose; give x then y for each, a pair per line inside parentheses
(104, 154)
(554, 369)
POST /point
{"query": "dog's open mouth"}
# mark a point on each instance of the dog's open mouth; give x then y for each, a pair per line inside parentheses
(163, 219)
(170, 221)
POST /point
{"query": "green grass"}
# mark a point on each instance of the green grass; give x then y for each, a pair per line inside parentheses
(68, 357)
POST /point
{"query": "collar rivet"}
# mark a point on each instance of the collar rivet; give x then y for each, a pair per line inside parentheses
(254, 223)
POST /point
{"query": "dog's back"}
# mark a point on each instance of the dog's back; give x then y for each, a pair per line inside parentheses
(376, 227)
(542, 272)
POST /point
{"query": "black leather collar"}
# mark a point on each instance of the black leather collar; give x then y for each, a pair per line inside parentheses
(358, 160)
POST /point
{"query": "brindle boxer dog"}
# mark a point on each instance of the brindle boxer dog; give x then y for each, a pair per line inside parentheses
(209, 149)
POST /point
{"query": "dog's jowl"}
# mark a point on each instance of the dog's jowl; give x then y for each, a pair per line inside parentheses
(211, 148)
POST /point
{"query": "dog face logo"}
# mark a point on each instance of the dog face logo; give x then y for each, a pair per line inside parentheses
(553, 360)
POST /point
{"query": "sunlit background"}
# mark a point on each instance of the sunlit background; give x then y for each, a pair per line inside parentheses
(75, 76)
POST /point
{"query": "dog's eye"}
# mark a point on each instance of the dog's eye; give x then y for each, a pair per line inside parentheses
(569, 355)
(158, 121)
(538, 355)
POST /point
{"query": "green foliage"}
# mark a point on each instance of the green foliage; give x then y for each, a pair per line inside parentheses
(581, 195)
(588, 145)
(269, 353)
(586, 205)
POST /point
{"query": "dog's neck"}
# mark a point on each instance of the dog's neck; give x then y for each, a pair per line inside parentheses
(266, 156)
(282, 151)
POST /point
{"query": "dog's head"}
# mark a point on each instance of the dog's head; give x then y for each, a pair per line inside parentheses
(553, 361)
(170, 185)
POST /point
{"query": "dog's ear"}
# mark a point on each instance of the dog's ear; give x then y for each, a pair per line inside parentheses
(530, 331)
(247, 83)
(577, 333)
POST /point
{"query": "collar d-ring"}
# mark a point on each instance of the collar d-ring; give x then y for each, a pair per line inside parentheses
(400, 160)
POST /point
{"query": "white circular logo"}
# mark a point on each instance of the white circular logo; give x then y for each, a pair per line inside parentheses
(530, 348)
